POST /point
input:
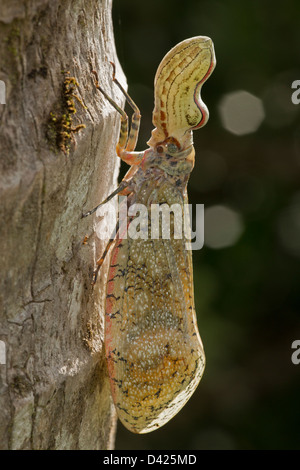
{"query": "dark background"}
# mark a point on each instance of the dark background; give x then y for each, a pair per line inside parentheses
(247, 294)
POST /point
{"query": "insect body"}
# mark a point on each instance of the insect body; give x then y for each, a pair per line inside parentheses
(153, 348)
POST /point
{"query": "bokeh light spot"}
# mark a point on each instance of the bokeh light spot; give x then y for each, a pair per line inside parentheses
(222, 227)
(241, 112)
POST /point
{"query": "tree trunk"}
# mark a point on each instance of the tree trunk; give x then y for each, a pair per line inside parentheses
(54, 392)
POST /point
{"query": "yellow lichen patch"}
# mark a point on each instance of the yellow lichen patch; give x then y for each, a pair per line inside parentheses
(60, 128)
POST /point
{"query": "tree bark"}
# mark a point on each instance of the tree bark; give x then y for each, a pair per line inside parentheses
(54, 392)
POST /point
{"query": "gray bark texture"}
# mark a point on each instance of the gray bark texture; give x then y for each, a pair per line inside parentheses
(54, 391)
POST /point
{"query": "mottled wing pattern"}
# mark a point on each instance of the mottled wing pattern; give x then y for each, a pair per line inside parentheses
(153, 348)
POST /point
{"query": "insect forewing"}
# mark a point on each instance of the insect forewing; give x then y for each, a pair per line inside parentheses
(154, 352)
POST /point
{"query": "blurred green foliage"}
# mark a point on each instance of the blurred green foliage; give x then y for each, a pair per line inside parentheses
(247, 295)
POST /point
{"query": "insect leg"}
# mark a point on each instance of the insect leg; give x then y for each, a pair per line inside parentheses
(136, 117)
(122, 186)
(126, 145)
(124, 118)
(100, 260)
